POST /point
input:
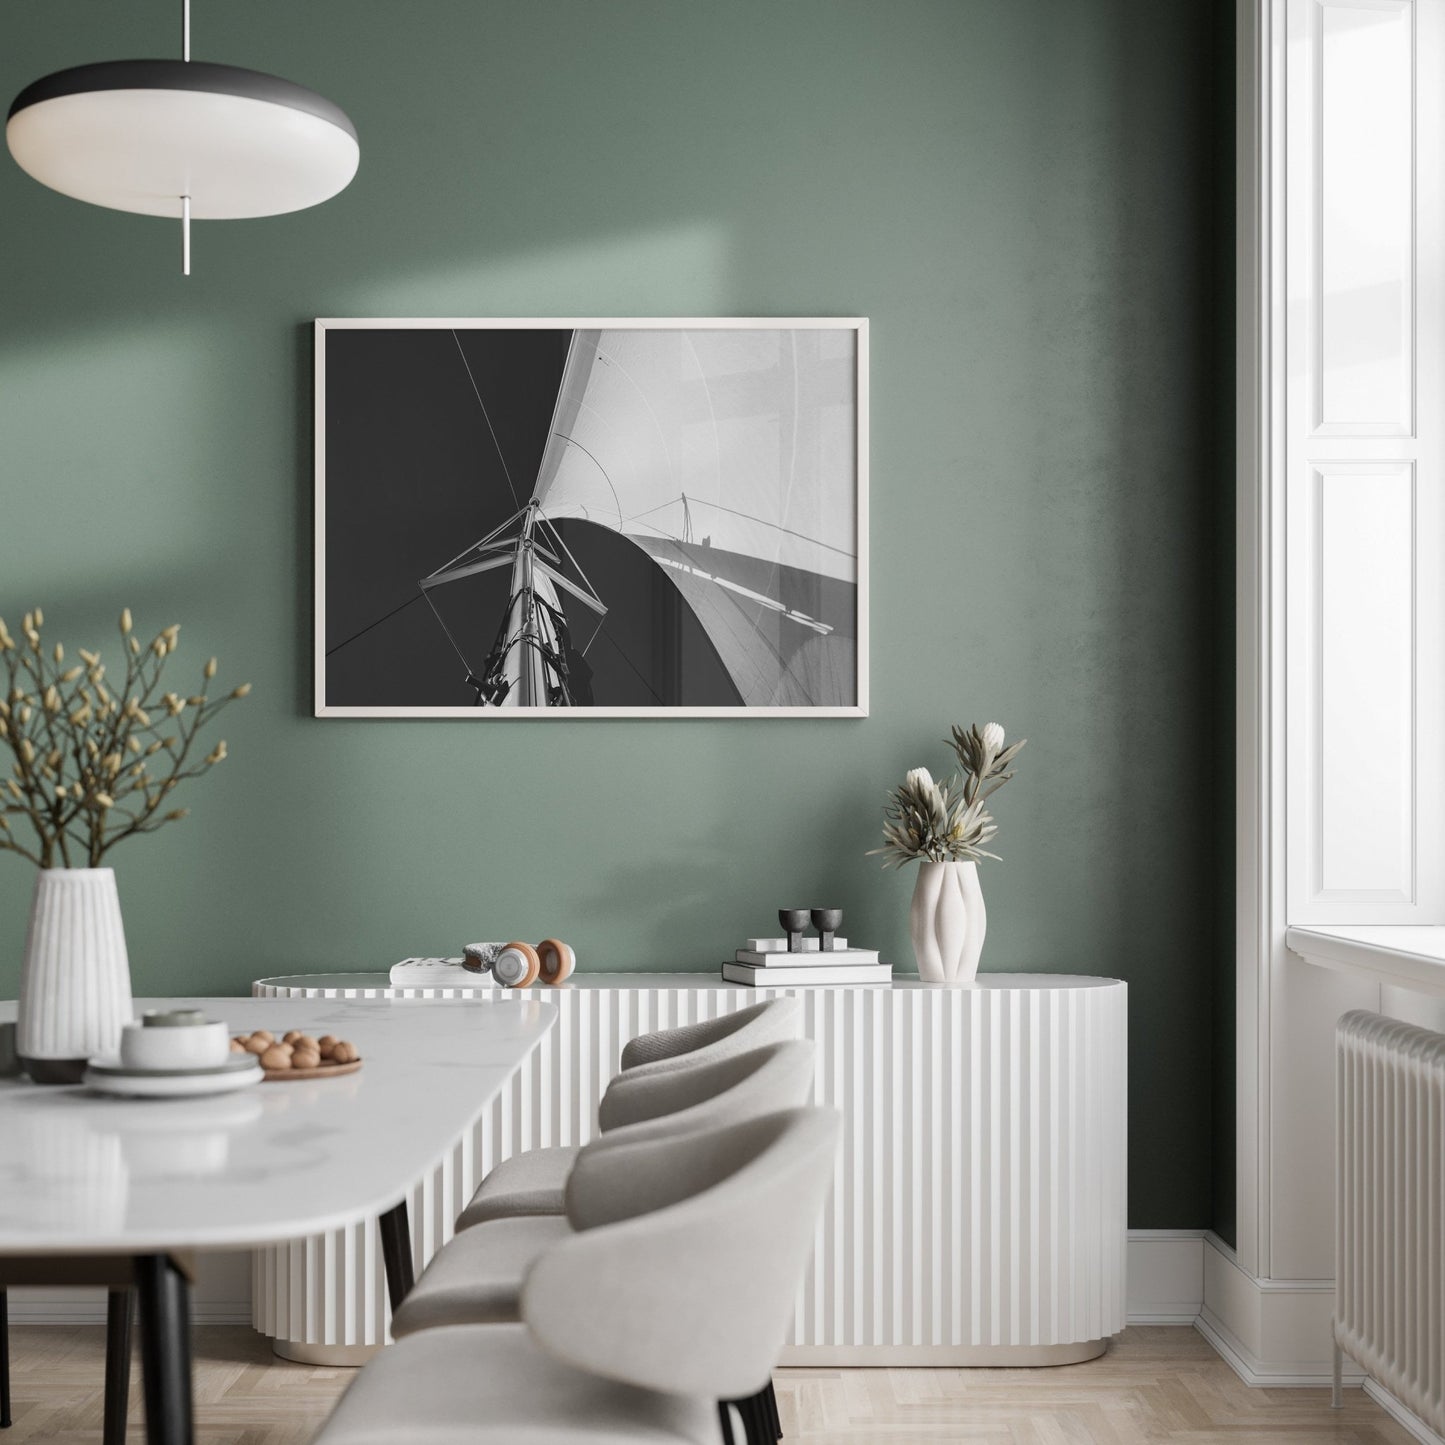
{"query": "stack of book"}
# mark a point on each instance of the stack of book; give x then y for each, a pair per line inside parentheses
(766, 963)
(438, 973)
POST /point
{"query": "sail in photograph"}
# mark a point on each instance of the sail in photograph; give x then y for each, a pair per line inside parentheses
(729, 457)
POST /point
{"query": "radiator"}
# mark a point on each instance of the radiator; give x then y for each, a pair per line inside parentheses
(1390, 1209)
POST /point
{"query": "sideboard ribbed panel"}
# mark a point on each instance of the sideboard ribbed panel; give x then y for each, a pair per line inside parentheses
(980, 1192)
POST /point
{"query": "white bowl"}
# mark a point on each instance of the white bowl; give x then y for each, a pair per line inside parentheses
(186, 1046)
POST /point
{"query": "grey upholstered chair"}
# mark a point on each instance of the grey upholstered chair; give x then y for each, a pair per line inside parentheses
(736, 1032)
(532, 1182)
(477, 1277)
(635, 1327)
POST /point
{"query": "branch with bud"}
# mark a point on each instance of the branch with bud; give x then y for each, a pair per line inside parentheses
(984, 759)
(95, 761)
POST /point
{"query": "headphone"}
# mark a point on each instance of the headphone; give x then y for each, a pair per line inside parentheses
(519, 965)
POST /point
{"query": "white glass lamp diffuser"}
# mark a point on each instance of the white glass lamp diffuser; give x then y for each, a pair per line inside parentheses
(182, 138)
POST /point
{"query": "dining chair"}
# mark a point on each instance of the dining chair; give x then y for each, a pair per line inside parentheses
(637, 1326)
(119, 1310)
(477, 1277)
(532, 1182)
(736, 1032)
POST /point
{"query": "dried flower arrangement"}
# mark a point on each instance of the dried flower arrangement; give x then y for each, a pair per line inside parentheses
(925, 821)
(95, 763)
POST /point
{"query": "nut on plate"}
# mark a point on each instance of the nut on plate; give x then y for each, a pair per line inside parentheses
(296, 1050)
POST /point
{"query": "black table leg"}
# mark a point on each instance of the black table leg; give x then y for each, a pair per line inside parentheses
(4, 1360)
(117, 1364)
(396, 1253)
(164, 1297)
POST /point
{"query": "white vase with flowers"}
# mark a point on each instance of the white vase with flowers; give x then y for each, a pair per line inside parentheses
(943, 827)
(95, 759)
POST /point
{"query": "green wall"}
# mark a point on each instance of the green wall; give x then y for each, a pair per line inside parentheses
(1018, 193)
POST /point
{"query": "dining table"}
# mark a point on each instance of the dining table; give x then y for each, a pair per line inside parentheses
(123, 1193)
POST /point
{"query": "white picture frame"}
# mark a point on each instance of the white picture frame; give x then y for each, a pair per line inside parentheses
(608, 362)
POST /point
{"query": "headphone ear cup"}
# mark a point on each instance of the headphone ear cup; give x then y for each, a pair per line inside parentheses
(558, 960)
(517, 966)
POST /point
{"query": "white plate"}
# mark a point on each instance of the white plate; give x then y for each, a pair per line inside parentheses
(107, 1075)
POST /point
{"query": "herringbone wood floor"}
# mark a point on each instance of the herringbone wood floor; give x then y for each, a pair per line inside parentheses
(1155, 1384)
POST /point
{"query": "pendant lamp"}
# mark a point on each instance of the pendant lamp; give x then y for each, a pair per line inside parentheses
(182, 138)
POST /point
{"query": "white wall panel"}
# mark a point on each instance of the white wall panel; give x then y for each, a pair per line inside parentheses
(1362, 457)
(1363, 203)
(1363, 696)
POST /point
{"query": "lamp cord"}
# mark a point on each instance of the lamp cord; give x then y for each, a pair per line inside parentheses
(186, 200)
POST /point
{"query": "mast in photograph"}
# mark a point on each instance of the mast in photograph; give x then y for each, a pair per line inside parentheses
(728, 458)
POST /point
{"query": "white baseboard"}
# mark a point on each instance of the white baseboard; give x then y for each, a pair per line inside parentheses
(1406, 1417)
(1176, 1277)
(1166, 1287)
(1255, 1369)
(1273, 1332)
(87, 1307)
(1166, 1276)
(1276, 1333)
(222, 1296)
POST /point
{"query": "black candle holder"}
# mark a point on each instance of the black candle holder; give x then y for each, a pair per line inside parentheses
(826, 921)
(794, 921)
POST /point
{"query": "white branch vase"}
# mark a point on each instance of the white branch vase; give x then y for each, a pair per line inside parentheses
(947, 921)
(75, 976)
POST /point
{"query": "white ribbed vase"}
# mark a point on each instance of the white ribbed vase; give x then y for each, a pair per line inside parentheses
(947, 921)
(75, 976)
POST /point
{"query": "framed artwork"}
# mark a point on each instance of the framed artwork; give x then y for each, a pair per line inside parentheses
(592, 518)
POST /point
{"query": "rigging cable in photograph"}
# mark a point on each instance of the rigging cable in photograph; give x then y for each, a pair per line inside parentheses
(506, 472)
(386, 616)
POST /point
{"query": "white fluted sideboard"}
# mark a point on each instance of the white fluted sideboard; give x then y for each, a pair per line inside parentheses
(978, 1211)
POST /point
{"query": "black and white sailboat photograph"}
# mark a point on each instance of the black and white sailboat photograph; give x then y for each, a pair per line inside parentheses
(524, 518)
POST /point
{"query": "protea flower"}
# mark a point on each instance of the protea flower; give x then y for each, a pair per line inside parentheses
(919, 780)
(983, 758)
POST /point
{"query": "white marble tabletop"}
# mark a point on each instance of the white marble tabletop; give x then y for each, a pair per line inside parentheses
(84, 1173)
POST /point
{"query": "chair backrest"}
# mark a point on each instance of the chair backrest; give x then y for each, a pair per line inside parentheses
(733, 1033)
(725, 1091)
(695, 1297)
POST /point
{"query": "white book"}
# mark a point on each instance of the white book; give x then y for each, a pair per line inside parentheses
(834, 958)
(757, 976)
(780, 945)
(438, 973)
